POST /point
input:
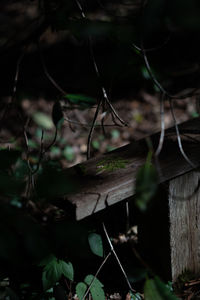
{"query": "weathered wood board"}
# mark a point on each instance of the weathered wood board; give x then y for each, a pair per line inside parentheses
(110, 178)
(184, 215)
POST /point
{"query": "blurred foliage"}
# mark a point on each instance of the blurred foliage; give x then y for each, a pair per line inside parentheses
(53, 270)
(146, 184)
(157, 290)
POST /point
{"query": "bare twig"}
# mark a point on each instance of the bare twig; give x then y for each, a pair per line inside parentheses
(17, 75)
(92, 129)
(115, 254)
(81, 9)
(52, 142)
(179, 137)
(95, 276)
(105, 96)
(153, 48)
(41, 153)
(158, 84)
(154, 79)
(56, 85)
(90, 125)
(162, 122)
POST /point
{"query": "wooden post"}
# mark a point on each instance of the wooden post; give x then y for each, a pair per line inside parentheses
(184, 214)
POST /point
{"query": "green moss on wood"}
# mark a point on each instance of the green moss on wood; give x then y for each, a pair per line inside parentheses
(111, 164)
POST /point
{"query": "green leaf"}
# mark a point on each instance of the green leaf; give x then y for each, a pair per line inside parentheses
(96, 289)
(81, 288)
(68, 153)
(43, 120)
(53, 271)
(96, 245)
(115, 134)
(97, 293)
(57, 114)
(95, 144)
(67, 269)
(32, 144)
(146, 184)
(47, 284)
(55, 151)
(89, 278)
(81, 100)
(155, 289)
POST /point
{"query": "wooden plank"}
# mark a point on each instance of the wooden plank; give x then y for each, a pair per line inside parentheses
(184, 213)
(110, 178)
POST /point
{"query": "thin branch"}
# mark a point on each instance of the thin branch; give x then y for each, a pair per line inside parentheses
(46, 72)
(105, 96)
(81, 9)
(186, 135)
(153, 48)
(97, 273)
(162, 125)
(179, 137)
(41, 153)
(17, 74)
(92, 128)
(44, 150)
(158, 84)
(27, 150)
(90, 125)
(115, 254)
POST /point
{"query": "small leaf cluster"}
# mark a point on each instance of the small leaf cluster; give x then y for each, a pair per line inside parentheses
(54, 269)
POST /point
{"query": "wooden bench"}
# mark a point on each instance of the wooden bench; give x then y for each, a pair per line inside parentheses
(110, 178)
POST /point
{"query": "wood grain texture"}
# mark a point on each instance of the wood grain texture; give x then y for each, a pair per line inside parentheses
(100, 187)
(184, 213)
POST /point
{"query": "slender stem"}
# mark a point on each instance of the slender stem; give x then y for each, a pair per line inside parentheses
(179, 137)
(162, 121)
(92, 129)
(118, 261)
(46, 72)
(97, 273)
